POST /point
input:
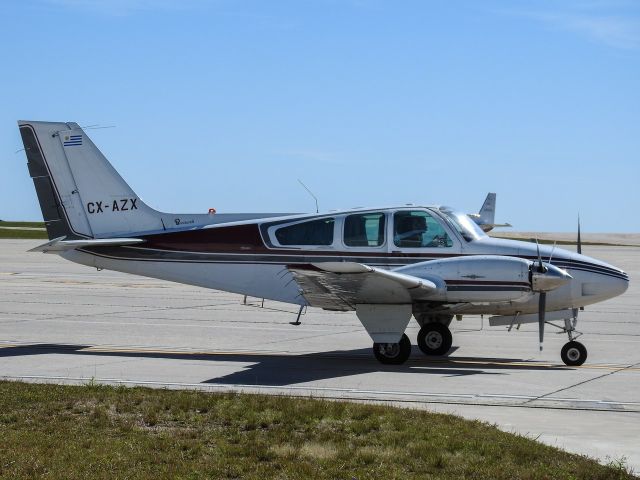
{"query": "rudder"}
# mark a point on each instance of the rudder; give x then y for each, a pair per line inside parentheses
(488, 211)
(81, 195)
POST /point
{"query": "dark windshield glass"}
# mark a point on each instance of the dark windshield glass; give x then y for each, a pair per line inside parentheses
(315, 232)
(364, 230)
(418, 229)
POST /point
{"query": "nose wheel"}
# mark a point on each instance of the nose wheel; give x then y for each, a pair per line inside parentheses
(393, 353)
(573, 353)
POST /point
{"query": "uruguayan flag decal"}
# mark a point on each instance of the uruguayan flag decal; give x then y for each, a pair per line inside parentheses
(72, 140)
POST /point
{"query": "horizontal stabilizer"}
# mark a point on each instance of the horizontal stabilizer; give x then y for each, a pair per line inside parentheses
(60, 244)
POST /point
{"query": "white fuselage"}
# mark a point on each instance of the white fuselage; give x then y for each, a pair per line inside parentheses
(265, 274)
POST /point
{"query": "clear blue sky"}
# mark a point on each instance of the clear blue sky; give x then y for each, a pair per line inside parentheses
(226, 104)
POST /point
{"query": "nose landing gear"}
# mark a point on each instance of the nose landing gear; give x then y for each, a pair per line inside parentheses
(573, 353)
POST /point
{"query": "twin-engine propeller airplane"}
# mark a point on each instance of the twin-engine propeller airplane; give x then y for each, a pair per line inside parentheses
(388, 264)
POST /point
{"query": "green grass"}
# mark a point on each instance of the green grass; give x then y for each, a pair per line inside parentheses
(28, 234)
(98, 431)
(22, 224)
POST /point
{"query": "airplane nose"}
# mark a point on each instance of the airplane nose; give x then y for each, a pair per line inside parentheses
(622, 284)
(608, 282)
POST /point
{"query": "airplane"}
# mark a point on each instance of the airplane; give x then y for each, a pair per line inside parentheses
(485, 218)
(388, 264)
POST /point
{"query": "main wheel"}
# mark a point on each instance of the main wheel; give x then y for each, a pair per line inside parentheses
(393, 353)
(434, 339)
(573, 354)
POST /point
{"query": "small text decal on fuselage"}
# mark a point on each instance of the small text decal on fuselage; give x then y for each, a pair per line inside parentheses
(179, 221)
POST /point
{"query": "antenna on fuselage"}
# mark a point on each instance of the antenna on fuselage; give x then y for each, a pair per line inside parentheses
(310, 193)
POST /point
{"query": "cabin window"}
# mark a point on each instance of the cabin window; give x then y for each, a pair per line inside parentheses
(364, 229)
(315, 232)
(418, 229)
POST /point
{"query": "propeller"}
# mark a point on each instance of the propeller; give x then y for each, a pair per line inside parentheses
(542, 300)
(579, 245)
(541, 267)
(545, 278)
(542, 307)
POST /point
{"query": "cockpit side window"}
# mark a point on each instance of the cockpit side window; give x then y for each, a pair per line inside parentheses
(315, 232)
(418, 229)
(364, 229)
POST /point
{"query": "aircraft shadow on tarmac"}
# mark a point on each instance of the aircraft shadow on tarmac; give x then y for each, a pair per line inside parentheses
(275, 369)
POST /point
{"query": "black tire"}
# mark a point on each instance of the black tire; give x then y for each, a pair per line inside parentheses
(393, 353)
(573, 354)
(434, 339)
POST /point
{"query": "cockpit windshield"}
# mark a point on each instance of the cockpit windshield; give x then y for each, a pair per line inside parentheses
(466, 227)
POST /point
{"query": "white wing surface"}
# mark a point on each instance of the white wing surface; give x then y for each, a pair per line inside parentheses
(343, 285)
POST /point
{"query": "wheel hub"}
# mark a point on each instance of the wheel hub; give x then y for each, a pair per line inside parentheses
(390, 349)
(573, 354)
(434, 340)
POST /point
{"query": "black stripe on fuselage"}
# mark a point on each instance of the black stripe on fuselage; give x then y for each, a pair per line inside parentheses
(156, 255)
(584, 266)
(486, 288)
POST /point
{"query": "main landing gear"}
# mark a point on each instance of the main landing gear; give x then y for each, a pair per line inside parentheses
(434, 339)
(393, 353)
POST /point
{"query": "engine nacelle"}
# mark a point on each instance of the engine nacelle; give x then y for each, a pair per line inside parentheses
(476, 278)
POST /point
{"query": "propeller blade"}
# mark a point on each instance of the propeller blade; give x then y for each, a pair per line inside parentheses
(552, 250)
(579, 239)
(540, 267)
(542, 306)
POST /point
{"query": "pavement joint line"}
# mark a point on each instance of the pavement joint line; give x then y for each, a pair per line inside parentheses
(242, 326)
(405, 397)
(621, 369)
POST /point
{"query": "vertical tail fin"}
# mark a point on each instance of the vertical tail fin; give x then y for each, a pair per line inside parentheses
(488, 211)
(81, 195)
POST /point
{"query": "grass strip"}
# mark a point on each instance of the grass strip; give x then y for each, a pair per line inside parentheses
(22, 224)
(22, 234)
(14, 231)
(96, 431)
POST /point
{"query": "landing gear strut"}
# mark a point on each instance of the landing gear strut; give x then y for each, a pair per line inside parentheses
(434, 339)
(573, 353)
(393, 353)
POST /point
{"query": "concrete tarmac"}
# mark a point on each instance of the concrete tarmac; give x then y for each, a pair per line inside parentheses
(66, 323)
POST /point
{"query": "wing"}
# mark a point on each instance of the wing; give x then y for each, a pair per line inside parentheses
(343, 285)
